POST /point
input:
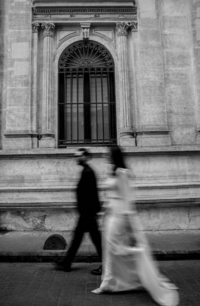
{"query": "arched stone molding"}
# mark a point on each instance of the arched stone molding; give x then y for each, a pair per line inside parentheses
(72, 40)
(72, 32)
(58, 53)
(106, 34)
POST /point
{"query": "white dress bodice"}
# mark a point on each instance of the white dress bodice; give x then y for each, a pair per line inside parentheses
(119, 194)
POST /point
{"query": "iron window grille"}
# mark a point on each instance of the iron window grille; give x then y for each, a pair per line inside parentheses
(87, 108)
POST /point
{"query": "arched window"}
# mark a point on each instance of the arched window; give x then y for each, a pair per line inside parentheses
(87, 111)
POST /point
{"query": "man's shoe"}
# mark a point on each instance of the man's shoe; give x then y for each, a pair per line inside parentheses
(97, 271)
(60, 265)
(67, 269)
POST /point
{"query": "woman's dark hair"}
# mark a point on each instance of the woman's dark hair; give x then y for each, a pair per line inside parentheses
(117, 158)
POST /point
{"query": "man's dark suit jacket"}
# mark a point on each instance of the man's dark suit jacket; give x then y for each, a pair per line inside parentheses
(87, 194)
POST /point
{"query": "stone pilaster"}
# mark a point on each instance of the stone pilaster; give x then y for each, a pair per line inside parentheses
(47, 134)
(34, 107)
(16, 104)
(179, 70)
(152, 116)
(126, 127)
(133, 75)
(195, 15)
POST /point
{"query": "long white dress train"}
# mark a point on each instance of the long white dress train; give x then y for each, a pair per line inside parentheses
(127, 260)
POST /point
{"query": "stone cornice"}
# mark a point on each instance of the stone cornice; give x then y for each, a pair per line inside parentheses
(68, 10)
(60, 11)
(25, 134)
(17, 134)
(83, 10)
(58, 3)
(48, 29)
(94, 9)
(152, 132)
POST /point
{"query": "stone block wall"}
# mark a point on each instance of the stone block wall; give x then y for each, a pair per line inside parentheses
(153, 114)
(179, 71)
(153, 128)
(167, 73)
(17, 106)
(38, 189)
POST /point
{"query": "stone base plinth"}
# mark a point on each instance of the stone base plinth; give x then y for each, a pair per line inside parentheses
(17, 143)
(127, 141)
(154, 217)
(35, 143)
(38, 187)
(198, 138)
(153, 140)
(47, 142)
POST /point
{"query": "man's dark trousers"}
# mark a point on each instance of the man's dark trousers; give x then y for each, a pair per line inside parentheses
(88, 206)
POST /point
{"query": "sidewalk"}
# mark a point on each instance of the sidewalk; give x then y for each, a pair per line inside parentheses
(39, 284)
(28, 246)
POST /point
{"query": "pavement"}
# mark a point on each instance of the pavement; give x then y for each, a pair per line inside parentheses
(28, 246)
(39, 284)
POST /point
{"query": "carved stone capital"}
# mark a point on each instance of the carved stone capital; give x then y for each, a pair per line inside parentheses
(35, 27)
(124, 27)
(48, 29)
(133, 26)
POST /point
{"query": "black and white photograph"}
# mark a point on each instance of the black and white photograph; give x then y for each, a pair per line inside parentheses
(99, 153)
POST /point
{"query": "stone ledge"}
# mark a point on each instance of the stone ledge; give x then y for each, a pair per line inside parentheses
(142, 203)
(100, 151)
(72, 188)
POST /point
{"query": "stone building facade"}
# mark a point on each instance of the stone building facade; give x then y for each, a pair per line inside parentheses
(148, 80)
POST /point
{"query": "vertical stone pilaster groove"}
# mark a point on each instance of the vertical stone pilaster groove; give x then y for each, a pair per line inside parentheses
(122, 33)
(35, 28)
(47, 116)
(133, 72)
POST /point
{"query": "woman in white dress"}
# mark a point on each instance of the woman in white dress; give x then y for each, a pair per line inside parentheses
(127, 260)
